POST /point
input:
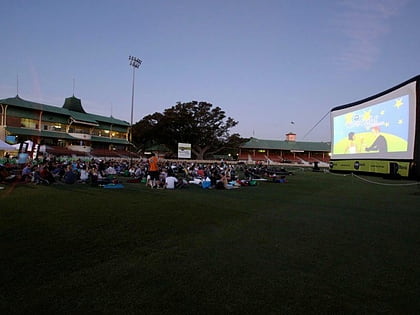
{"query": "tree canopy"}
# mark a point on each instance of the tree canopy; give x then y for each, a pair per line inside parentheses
(206, 127)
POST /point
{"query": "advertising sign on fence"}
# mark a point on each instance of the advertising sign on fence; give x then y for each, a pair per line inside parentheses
(184, 150)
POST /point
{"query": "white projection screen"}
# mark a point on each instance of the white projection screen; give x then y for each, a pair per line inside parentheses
(380, 127)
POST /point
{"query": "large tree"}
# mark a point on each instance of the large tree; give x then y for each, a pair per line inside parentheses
(199, 123)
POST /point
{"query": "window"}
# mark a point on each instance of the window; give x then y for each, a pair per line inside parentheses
(116, 134)
(57, 127)
(28, 123)
(80, 129)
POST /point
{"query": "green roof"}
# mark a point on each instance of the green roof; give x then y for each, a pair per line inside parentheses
(254, 143)
(110, 120)
(82, 117)
(42, 133)
(73, 111)
(57, 134)
(19, 102)
(23, 131)
(61, 135)
(74, 104)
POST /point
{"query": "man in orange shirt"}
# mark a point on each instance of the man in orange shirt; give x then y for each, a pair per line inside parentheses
(154, 170)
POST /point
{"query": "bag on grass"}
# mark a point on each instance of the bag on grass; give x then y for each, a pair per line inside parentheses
(206, 184)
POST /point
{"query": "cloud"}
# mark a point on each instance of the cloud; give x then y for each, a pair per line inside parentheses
(363, 24)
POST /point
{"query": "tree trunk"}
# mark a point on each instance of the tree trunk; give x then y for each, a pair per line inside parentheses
(199, 152)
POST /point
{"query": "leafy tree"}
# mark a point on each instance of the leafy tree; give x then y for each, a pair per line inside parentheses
(146, 131)
(232, 145)
(199, 123)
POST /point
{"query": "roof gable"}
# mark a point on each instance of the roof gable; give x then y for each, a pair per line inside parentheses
(74, 104)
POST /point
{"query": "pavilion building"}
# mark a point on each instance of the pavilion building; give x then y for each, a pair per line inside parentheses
(68, 130)
(287, 151)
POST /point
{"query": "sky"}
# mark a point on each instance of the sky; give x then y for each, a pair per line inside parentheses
(275, 66)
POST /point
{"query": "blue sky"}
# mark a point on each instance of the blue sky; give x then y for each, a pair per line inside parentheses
(264, 62)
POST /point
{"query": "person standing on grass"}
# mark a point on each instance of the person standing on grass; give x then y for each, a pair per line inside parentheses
(154, 170)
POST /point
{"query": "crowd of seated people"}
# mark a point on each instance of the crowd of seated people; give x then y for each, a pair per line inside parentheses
(172, 174)
(217, 175)
(211, 175)
(95, 172)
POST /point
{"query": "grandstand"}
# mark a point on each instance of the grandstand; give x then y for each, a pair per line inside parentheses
(287, 151)
(62, 131)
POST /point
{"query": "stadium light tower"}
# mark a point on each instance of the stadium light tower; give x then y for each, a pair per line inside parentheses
(135, 63)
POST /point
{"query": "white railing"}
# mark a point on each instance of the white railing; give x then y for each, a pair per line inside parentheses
(80, 148)
(81, 136)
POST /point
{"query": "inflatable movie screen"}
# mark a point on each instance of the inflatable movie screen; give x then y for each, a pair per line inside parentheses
(380, 127)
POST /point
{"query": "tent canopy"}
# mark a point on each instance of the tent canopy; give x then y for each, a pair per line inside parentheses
(6, 147)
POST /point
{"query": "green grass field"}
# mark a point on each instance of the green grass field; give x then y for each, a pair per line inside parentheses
(321, 243)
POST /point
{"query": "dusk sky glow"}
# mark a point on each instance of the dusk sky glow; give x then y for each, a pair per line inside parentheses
(265, 63)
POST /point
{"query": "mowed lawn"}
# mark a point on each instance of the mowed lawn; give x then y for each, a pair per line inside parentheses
(321, 243)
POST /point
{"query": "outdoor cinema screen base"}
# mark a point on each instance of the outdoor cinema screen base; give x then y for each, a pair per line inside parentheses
(383, 167)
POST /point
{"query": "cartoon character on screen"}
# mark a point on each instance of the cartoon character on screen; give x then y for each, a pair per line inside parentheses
(351, 147)
(380, 144)
(354, 143)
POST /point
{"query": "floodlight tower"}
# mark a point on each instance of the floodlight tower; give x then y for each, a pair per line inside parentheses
(135, 63)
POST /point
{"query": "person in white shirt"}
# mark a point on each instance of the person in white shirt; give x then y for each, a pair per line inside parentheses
(170, 182)
(110, 170)
(84, 175)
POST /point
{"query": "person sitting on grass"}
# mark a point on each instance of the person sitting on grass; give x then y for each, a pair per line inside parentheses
(139, 173)
(225, 183)
(281, 180)
(70, 176)
(26, 174)
(46, 174)
(170, 181)
(110, 170)
(182, 183)
(84, 175)
(58, 171)
(37, 179)
(93, 176)
(162, 178)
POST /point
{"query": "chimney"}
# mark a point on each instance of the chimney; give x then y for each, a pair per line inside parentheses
(290, 136)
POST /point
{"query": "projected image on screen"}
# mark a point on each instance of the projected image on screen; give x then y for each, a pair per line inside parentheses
(379, 128)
